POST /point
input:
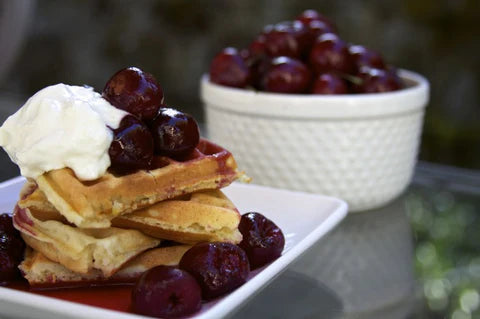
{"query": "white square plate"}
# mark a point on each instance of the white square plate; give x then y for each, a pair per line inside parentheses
(303, 218)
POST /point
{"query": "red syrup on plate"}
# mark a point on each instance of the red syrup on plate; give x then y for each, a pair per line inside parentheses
(113, 297)
(107, 297)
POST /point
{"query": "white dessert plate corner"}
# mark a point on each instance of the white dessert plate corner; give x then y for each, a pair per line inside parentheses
(304, 219)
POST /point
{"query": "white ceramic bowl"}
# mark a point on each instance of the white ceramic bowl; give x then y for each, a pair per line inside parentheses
(361, 148)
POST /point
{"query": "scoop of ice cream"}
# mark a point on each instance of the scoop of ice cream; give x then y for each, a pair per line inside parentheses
(62, 126)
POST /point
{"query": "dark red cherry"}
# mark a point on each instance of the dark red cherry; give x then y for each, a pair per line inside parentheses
(257, 47)
(6, 224)
(258, 69)
(11, 250)
(134, 91)
(288, 38)
(376, 80)
(218, 267)
(228, 68)
(132, 145)
(361, 56)
(263, 241)
(175, 133)
(329, 83)
(286, 75)
(308, 16)
(166, 292)
(330, 54)
(315, 29)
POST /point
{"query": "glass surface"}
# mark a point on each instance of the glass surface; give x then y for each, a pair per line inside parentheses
(417, 257)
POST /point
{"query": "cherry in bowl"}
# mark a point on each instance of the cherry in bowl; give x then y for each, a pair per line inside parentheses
(374, 80)
(286, 75)
(229, 68)
(330, 54)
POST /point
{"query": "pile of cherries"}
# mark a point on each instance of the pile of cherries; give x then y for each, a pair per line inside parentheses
(151, 128)
(304, 56)
(11, 250)
(207, 270)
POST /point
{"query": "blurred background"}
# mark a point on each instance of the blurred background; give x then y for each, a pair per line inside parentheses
(85, 42)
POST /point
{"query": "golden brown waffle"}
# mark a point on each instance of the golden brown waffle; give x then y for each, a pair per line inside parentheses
(81, 250)
(41, 272)
(95, 203)
(197, 217)
(192, 218)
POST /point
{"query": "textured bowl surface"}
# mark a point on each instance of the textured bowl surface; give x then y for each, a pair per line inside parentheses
(361, 148)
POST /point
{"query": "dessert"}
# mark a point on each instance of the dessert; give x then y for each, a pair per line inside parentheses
(133, 195)
(81, 249)
(193, 218)
(95, 203)
(312, 48)
(42, 272)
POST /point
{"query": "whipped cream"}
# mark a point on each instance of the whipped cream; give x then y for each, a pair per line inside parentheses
(62, 126)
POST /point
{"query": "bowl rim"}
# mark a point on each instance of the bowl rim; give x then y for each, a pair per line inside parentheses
(413, 98)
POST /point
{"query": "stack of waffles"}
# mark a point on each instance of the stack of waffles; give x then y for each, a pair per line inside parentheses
(114, 228)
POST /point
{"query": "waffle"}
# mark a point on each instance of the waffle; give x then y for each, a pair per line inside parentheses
(197, 217)
(192, 218)
(41, 272)
(93, 204)
(81, 250)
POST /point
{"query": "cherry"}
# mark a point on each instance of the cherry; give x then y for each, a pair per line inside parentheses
(308, 16)
(377, 80)
(329, 83)
(315, 29)
(263, 241)
(361, 56)
(175, 133)
(330, 54)
(134, 91)
(287, 39)
(286, 75)
(6, 224)
(166, 292)
(258, 69)
(257, 47)
(218, 267)
(11, 250)
(229, 69)
(132, 145)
